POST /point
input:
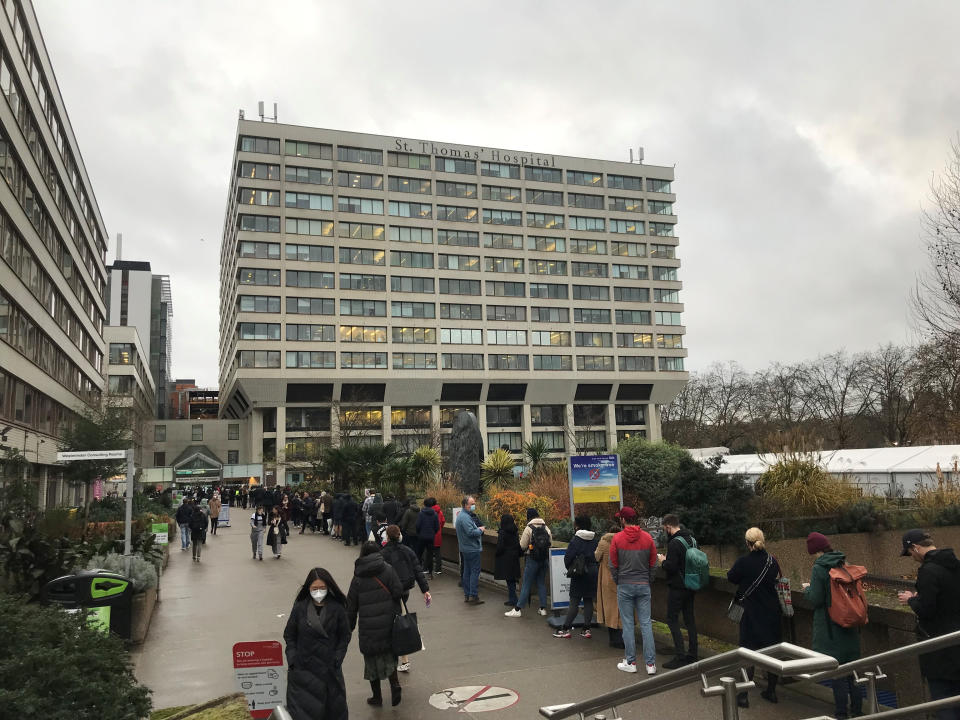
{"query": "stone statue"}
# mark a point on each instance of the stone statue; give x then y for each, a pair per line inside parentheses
(466, 452)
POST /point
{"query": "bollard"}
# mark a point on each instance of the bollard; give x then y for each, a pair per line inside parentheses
(730, 709)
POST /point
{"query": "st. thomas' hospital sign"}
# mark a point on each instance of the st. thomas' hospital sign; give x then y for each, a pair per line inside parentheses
(468, 153)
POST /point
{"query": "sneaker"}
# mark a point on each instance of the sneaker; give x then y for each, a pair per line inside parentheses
(513, 613)
(627, 667)
(586, 634)
(677, 662)
(542, 611)
(561, 633)
(651, 669)
(403, 667)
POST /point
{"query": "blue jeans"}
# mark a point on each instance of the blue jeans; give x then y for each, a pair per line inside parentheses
(630, 599)
(471, 574)
(533, 571)
(940, 689)
(184, 537)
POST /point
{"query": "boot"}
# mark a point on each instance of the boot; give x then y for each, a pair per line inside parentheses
(376, 698)
(742, 700)
(395, 692)
(770, 694)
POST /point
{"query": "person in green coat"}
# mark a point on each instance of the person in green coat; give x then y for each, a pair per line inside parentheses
(828, 637)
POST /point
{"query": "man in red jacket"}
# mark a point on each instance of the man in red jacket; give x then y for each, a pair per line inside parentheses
(633, 555)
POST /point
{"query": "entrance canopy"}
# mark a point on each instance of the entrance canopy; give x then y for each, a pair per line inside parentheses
(197, 464)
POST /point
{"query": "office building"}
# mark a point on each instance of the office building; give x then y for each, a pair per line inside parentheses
(372, 287)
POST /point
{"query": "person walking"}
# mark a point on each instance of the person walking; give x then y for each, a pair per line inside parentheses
(277, 532)
(581, 563)
(316, 639)
(374, 601)
(633, 555)
(368, 499)
(608, 614)
(407, 566)
(936, 602)
(679, 597)
(215, 504)
(755, 575)
(438, 539)
(258, 528)
(408, 524)
(183, 522)
(506, 565)
(198, 528)
(308, 513)
(470, 540)
(535, 542)
(428, 524)
(244, 497)
(830, 638)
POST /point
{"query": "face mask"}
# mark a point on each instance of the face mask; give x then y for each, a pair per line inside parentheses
(473, 508)
(318, 595)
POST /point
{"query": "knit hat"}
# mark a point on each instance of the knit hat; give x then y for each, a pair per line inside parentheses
(626, 513)
(817, 542)
(532, 513)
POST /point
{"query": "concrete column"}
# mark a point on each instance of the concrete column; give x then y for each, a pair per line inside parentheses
(653, 423)
(386, 428)
(255, 436)
(334, 427)
(526, 425)
(42, 481)
(569, 429)
(482, 423)
(611, 426)
(281, 444)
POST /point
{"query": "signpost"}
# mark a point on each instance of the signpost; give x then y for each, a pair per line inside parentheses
(261, 676)
(595, 479)
(161, 533)
(559, 582)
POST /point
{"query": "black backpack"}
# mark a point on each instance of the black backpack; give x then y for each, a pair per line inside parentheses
(578, 568)
(541, 543)
(198, 520)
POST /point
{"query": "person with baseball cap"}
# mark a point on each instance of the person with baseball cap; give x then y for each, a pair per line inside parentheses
(936, 603)
(633, 555)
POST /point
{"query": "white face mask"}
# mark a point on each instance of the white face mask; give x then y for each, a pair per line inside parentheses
(473, 508)
(318, 595)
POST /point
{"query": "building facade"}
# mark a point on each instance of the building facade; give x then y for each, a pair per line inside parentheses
(375, 286)
(52, 252)
(129, 382)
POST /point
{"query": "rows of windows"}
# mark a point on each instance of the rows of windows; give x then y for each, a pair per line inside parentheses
(23, 404)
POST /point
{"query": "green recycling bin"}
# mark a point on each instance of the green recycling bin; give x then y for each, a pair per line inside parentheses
(107, 596)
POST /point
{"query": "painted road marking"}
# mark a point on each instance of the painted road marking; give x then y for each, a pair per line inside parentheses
(474, 698)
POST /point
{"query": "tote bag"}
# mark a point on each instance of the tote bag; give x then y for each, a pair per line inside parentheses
(406, 633)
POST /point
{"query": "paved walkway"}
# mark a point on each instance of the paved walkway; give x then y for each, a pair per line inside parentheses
(205, 608)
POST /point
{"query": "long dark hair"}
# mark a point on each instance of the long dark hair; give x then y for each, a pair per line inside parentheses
(508, 524)
(333, 590)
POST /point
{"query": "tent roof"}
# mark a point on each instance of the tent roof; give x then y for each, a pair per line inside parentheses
(917, 459)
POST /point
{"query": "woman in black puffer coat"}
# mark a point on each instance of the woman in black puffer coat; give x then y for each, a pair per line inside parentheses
(405, 563)
(374, 596)
(316, 636)
(506, 565)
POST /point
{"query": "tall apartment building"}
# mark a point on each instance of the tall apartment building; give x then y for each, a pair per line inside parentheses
(52, 273)
(376, 286)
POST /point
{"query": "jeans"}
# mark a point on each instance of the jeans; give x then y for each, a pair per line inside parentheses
(844, 687)
(681, 600)
(512, 590)
(630, 599)
(940, 689)
(471, 574)
(213, 524)
(184, 537)
(533, 571)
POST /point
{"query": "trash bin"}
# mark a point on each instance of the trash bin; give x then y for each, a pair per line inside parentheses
(106, 595)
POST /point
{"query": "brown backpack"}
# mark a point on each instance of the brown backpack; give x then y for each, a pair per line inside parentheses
(848, 603)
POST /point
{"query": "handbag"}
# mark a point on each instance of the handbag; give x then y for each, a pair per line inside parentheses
(784, 595)
(406, 633)
(735, 608)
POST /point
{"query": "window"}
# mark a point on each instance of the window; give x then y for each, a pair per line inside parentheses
(369, 308)
(361, 418)
(233, 431)
(546, 244)
(595, 363)
(575, 177)
(502, 265)
(461, 361)
(409, 161)
(548, 290)
(301, 226)
(363, 334)
(411, 259)
(364, 360)
(412, 309)
(305, 278)
(506, 337)
(507, 312)
(544, 197)
(508, 362)
(361, 256)
(461, 238)
(671, 364)
(549, 314)
(359, 155)
(454, 165)
(502, 217)
(624, 204)
(670, 342)
(311, 333)
(631, 414)
(120, 353)
(259, 223)
(663, 251)
(631, 340)
(593, 270)
(259, 276)
(402, 417)
(317, 176)
(662, 295)
(196, 433)
(547, 414)
(259, 331)
(590, 224)
(636, 363)
(500, 193)
(424, 236)
(547, 221)
(258, 359)
(591, 315)
(247, 196)
(414, 335)
(159, 433)
(456, 189)
(627, 227)
(365, 206)
(557, 338)
(258, 171)
(505, 289)
(541, 174)
(591, 292)
(664, 273)
(658, 186)
(159, 459)
(588, 247)
(261, 250)
(547, 267)
(364, 231)
(624, 182)
(628, 272)
(456, 286)
(631, 294)
(308, 201)
(362, 181)
(356, 281)
(399, 283)
(657, 207)
(310, 306)
(587, 202)
(590, 440)
(307, 149)
(504, 415)
(449, 414)
(554, 440)
(411, 209)
(414, 361)
(269, 146)
(469, 263)
(501, 170)
(259, 303)
(308, 418)
(460, 311)
(511, 441)
(594, 339)
(233, 457)
(661, 229)
(418, 186)
(503, 241)
(667, 318)
(632, 317)
(312, 359)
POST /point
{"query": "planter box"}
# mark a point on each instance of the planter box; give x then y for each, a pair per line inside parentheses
(143, 605)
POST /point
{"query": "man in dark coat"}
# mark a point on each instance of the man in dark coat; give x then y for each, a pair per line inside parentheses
(391, 508)
(937, 605)
(679, 596)
(348, 521)
(427, 526)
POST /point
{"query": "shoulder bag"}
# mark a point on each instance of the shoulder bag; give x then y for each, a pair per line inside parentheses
(405, 636)
(735, 608)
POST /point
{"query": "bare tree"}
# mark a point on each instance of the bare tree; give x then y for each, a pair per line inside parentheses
(891, 372)
(937, 389)
(842, 392)
(684, 419)
(727, 399)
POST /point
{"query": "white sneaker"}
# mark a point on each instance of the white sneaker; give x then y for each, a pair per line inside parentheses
(512, 613)
(651, 669)
(403, 667)
(542, 611)
(627, 667)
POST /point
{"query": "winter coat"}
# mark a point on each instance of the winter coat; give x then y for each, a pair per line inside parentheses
(406, 564)
(584, 543)
(506, 565)
(526, 538)
(608, 612)
(408, 522)
(199, 521)
(215, 508)
(937, 605)
(761, 625)
(375, 603)
(427, 524)
(278, 528)
(183, 514)
(348, 513)
(337, 509)
(438, 538)
(828, 637)
(391, 508)
(633, 555)
(674, 564)
(469, 534)
(316, 645)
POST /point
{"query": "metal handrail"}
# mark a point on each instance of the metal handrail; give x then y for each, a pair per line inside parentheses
(803, 661)
(906, 712)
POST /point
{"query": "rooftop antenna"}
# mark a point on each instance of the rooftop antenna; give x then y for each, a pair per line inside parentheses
(640, 155)
(260, 110)
(119, 247)
(241, 113)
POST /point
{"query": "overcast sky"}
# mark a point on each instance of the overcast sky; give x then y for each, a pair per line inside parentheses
(804, 134)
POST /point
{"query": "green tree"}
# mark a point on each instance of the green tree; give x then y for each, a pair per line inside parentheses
(648, 470)
(535, 456)
(425, 465)
(18, 496)
(107, 427)
(496, 469)
(714, 506)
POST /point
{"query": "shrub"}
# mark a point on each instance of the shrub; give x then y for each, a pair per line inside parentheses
(516, 503)
(949, 515)
(713, 506)
(648, 469)
(53, 666)
(797, 485)
(142, 571)
(496, 470)
(29, 559)
(447, 494)
(553, 481)
(562, 530)
(863, 516)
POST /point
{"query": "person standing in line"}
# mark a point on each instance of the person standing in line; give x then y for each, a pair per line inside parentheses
(326, 511)
(936, 602)
(408, 524)
(427, 526)
(406, 564)
(198, 528)
(316, 637)
(608, 613)
(679, 597)
(755, 575)
(308, 512)
(365, 508)
(374, 600)
(215, 505)
(391, 509)
(348, 522)
(183, 522)
(337, 515)
(244, 497)
(506, 566)
(470, 540)
(633, 556)
(535, 542)
(438, 538)
(828, 637)
(379, 532)
(583, 585)
(258, 528)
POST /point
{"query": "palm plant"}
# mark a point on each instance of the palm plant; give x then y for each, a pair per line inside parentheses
(535, 456)
(425, 464)
(496, 469)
